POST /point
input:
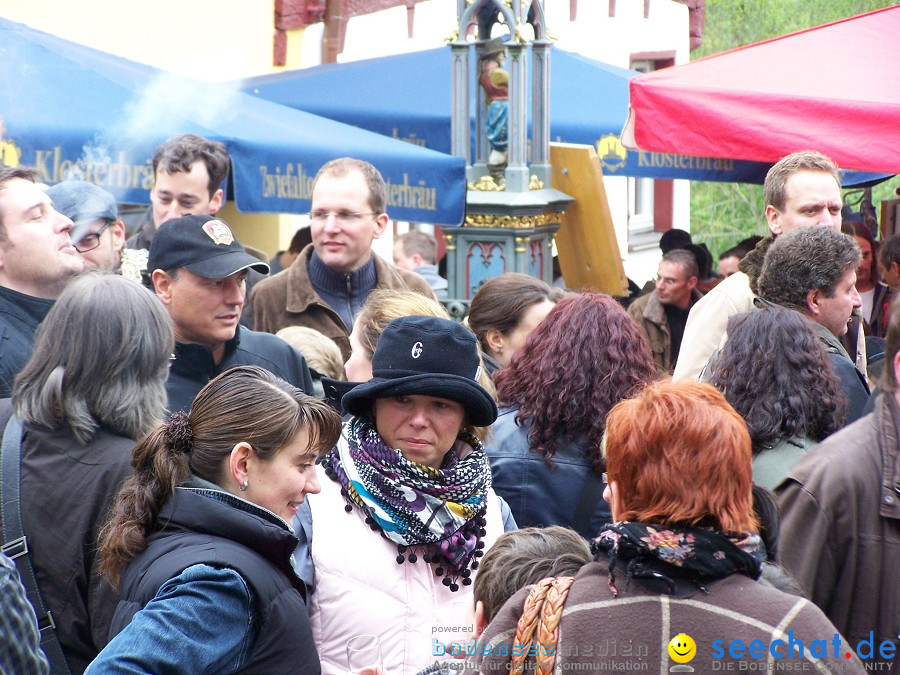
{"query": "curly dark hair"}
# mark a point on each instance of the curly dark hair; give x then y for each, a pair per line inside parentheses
(776, 373)
(585, 357)
(808, 258)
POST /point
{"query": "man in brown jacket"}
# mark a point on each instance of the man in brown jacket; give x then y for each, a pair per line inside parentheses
(840, 506)
(662, 313)
(330, 280)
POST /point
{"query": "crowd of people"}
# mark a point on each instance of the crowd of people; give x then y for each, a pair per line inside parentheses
(214, 463)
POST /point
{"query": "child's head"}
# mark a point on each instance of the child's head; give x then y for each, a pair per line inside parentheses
(524, 557)
(320, 352)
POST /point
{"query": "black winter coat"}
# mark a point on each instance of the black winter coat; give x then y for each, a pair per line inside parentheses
(20, 316)
(193, 366)
(67, 490)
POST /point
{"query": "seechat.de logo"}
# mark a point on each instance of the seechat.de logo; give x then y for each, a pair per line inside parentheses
(682, 649)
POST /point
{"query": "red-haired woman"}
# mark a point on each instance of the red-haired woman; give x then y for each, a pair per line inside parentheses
(675, 579)
(585, 357)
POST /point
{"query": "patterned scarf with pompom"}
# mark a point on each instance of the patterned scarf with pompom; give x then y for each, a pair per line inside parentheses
(438, 513)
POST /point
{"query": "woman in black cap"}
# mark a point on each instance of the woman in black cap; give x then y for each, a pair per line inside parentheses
(407, 508)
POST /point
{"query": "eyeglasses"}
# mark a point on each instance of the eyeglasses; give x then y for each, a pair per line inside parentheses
(342, 217)
(91, 241)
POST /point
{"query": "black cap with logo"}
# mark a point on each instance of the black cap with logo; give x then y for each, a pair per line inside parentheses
(203, 245)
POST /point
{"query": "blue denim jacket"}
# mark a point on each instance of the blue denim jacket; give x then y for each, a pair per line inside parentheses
(205, 619)
(179, 615)
(537, 495)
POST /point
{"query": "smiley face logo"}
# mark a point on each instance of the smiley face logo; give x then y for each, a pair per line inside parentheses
(682, 648)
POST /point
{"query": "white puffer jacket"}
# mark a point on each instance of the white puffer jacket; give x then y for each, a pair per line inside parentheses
(362, 590)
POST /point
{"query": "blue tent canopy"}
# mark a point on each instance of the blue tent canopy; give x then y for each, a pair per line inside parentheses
(76, 112)
(408, 96)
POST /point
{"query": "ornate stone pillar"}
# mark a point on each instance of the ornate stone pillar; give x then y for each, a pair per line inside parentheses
(459, 129)
(512, 212)
(540, 111)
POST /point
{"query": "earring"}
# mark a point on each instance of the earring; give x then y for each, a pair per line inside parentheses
(243, 487)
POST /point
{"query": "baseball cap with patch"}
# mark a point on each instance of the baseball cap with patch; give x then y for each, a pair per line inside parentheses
(203, 245)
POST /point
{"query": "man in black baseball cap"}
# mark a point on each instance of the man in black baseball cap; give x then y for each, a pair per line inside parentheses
(198, 270)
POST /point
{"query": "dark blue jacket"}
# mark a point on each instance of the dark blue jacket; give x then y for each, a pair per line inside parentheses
(537, 495)
(194, 366)
(20, 316)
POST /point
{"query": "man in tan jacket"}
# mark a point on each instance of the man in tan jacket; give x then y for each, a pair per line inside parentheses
(803, 188)
(330, 280)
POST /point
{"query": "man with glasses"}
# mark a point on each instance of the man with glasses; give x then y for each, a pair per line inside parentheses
(99, 234)
(37, 260)
(330, 280)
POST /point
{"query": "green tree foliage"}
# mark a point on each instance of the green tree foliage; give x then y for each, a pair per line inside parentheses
(724, 213)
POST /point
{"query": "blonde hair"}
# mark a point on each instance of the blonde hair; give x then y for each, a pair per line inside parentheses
(320, 352)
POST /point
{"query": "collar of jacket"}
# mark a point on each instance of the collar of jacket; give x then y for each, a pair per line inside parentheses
(143, 237)
(27, 308)
(832, 344)
(300, 291)
(490, 364)
(212, 511)
(332, 281)
(192, 359)
(654, 312)
(219, 494)
(887, 415)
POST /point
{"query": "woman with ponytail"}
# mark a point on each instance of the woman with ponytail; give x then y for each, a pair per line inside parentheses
(199, 542)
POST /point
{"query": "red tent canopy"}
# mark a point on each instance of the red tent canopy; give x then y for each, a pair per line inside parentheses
(834, 88)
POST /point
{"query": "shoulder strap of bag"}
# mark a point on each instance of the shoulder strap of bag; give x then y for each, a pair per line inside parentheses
(537, 632)
(591, 494)
(15, 543)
